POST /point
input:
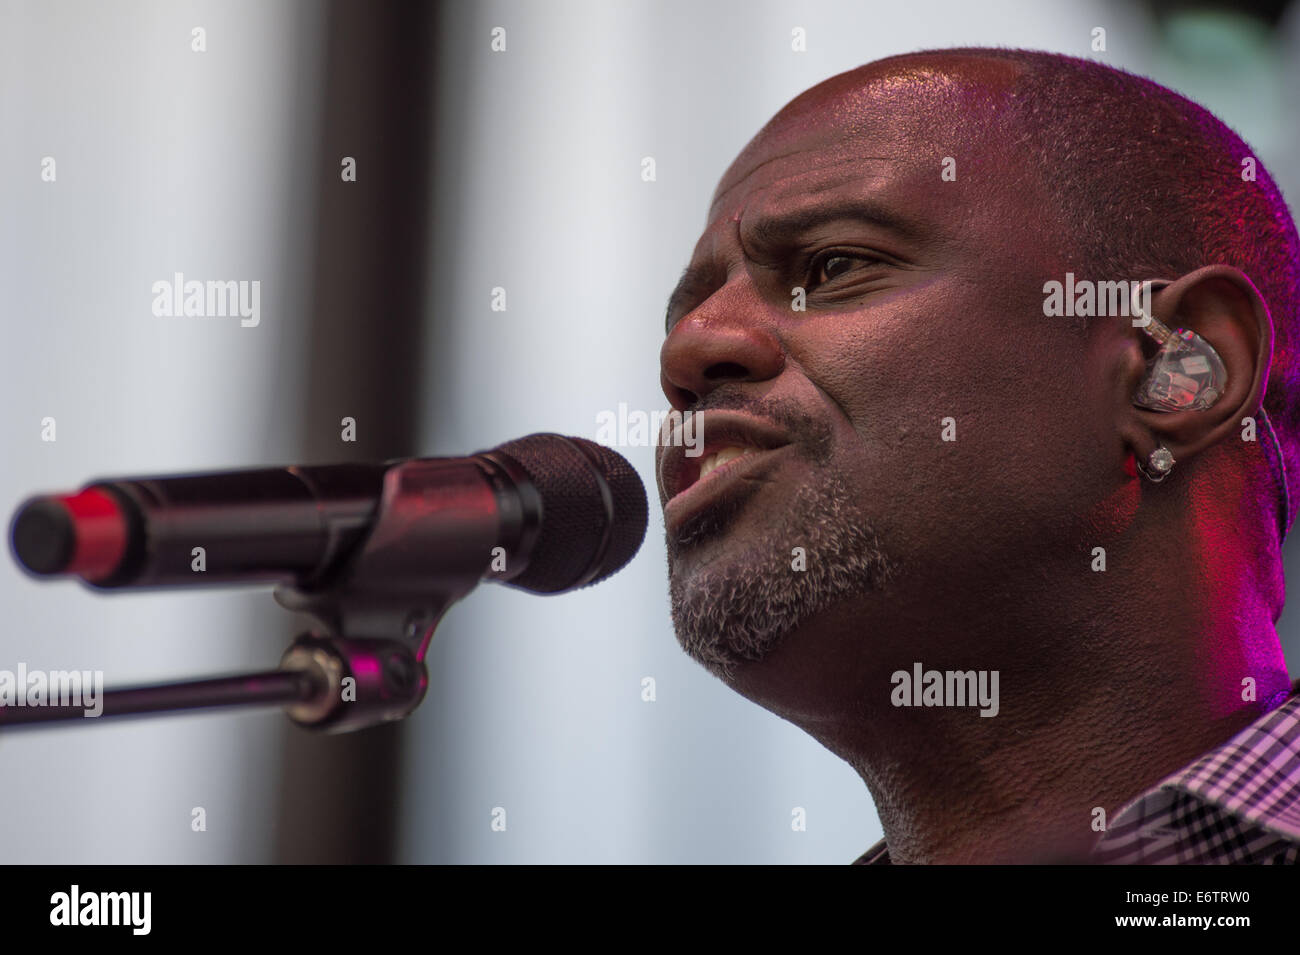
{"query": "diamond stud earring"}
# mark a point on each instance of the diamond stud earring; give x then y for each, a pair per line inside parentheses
(1158, 466)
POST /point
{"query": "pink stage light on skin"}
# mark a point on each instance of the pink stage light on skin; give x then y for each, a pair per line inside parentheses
(1238, 592)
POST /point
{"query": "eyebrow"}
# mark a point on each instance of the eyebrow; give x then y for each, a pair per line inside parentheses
(782, 230)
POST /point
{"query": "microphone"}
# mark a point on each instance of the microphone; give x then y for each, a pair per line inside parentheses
(544, 513)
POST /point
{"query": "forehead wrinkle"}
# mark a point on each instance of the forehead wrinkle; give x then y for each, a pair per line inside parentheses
(718, 196)
(792, 180)
(882, 197)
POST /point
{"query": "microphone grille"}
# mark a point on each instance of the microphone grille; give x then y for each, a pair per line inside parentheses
(594, 511)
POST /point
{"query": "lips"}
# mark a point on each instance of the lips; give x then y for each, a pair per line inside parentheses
(730, 442)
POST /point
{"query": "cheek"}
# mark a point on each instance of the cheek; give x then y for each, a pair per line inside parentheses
(901, 377)
(994, 432)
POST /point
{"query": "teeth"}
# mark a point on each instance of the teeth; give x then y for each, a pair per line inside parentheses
(719, 458)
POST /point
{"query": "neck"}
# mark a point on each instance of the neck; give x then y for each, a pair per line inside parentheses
(1099, 699)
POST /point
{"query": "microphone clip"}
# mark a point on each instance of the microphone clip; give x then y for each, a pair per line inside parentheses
(377, 617)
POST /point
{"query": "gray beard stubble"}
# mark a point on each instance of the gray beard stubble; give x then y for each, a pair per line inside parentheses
(739, 607)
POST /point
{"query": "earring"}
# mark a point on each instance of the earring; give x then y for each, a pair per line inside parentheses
(1159, 464)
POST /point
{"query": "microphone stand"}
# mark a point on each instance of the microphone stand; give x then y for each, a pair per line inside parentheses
(248, 689)
(325, 683)
(363, 664)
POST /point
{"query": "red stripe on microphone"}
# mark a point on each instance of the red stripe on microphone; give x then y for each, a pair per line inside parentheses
(100, 534)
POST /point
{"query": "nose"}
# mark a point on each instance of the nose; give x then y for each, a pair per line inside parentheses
(723, 341)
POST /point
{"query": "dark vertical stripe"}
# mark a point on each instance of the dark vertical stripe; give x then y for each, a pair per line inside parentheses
(339, 794)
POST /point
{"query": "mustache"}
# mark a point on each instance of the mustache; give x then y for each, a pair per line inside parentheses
(811, 434)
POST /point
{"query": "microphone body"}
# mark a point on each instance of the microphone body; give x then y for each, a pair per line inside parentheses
(545, 513)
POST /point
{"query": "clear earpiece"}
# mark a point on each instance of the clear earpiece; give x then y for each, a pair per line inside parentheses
(1186, 374)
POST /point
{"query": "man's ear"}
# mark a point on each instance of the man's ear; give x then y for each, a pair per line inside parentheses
(1222, 306)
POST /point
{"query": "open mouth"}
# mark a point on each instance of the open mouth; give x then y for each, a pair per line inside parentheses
(734, 447)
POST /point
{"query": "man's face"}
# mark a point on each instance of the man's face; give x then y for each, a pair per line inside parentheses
(919, 436)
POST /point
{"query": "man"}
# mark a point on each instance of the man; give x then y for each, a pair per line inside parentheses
(932, 523)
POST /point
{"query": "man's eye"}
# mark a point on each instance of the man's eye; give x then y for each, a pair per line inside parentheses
(832, 265)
